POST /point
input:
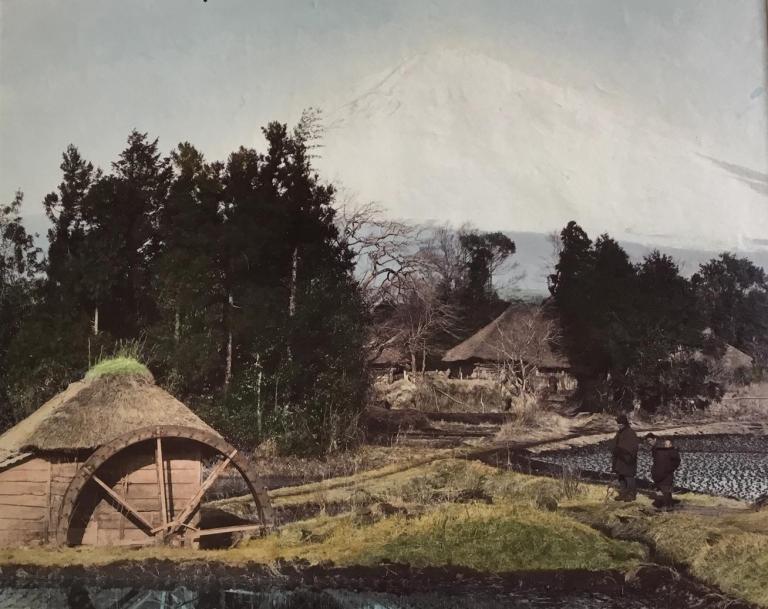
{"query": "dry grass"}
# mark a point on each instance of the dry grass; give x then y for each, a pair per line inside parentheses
(428, 483)
(436, 393)
(529, 420)
(483, 537)
(430, 529)
(746, 402)
(306, 470)
(459, 512)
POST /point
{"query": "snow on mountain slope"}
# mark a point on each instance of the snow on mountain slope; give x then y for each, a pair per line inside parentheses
(458, 136)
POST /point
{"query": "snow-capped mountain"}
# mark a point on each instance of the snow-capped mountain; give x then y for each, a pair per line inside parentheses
(458, 136)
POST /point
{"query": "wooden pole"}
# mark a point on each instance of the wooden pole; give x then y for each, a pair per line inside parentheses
(161, 482)
(122, 502)
(221, 530)
(193, 503)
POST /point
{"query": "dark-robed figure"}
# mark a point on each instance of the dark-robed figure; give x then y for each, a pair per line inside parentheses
(666, 459)
(624, 462)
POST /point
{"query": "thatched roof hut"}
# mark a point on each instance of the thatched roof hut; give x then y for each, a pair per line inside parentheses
(722, 359)
(146, 447)
(521, 331)
(89, 413)
(733, 359)
(729, 363)
(391, 355)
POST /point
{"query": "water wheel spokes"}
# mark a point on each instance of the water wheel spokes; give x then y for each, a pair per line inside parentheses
(174, 524)
(129, 510)
(192, 504)
(160, 465)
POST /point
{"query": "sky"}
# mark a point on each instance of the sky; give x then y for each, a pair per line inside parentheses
(88, 71)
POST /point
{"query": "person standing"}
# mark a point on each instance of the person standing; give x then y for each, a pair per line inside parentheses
(666, 459)
(624, 459)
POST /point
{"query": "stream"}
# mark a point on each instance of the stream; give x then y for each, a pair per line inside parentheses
(81, 597)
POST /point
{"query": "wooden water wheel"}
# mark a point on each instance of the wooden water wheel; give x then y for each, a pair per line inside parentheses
(167, 516)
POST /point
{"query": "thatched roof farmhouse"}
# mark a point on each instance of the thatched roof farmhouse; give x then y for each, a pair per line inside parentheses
(522, 330)
(524, 338)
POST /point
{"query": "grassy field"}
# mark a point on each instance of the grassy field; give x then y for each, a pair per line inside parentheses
(457, 512)
(719, 541)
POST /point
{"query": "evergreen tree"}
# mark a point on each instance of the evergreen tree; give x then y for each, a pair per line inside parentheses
(613, 310)
(632, 332)
(187, 276)
(233, 275)
(669, 333)
(302, 337)
(19, 268)
(53, 343)
(733, 297)
(66, 267)
(121, 214)
(572, 286)
(484, 253)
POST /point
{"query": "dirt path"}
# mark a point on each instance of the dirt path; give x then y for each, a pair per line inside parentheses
(516, 454)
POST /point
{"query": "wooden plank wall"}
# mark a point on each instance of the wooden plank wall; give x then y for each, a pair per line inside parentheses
(24, 503)
(134, 477)
(31, 493)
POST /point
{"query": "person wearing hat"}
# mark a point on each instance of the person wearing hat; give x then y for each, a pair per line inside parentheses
(666, 459)
(624, 459)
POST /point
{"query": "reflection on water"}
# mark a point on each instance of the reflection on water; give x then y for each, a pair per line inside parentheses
(81, 597)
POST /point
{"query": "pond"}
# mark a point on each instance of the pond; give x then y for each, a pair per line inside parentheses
(82, 597)
(725, 465)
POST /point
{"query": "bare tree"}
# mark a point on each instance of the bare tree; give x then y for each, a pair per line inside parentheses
(418, 318)
(555, 249)
(385, 250)
(441, 254)
(387, 261)
(524, 341)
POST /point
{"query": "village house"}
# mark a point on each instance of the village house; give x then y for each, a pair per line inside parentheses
(522, 341)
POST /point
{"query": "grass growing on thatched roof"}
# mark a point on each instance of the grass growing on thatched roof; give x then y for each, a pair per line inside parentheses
(118, 366)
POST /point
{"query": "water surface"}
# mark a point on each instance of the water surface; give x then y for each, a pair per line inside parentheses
(82, 597)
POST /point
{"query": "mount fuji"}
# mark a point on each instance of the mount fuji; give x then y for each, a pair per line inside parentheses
(457, 136)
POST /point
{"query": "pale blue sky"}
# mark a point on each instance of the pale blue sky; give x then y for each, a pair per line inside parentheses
(88, 71)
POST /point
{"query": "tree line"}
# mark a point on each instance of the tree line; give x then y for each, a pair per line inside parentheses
(644, 333)
(259, 296)
(231, 277)
(240, 283)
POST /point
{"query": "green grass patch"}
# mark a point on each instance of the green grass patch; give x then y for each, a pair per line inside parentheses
(501, 538)
(116, 366)
(507, 521)
(719, 541)
(492, 538)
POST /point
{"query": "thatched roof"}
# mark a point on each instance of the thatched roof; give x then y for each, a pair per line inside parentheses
(521, 331)
(733, 358)
(92, 412)
(392, 353)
